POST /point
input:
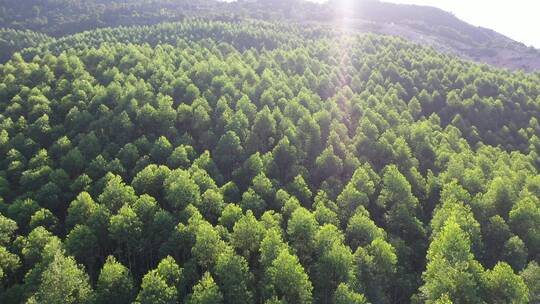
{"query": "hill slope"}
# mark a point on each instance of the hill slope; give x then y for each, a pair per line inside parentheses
(425, 25)
(257, 162)
(442, 30)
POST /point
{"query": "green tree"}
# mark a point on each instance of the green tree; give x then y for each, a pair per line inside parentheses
(180, 157)
(63, 281)
(522, 219)
(251, 201)
(161, 150)
(333, 267)
(327, 165)
(503, 286)
(234, 278)
(451, 268)
(206, 291)
(43, 217)
(262, 135)
(284, 162)
(116, 194)
(531, 277)
(375, 270)
(154, 289)
(457, 211)
(271, 246)
(230, 215)
(300, 189)
(344, 295)
(515, 253)
(21, 211)
(150, 180)
(211, 205)
(251, 167)
(181, 190)
(80, 210)
(9, 263)
(208, 245)
(356, 193)
(114, 284)
(361, 230)
(301, 230)
(83, 244)
(401, 205)
(289, 280)
(126, 228)
(228, 152)
(8, 227)
(161, 285)
(247, 235)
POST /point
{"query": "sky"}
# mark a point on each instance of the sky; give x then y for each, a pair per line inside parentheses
(517, 19)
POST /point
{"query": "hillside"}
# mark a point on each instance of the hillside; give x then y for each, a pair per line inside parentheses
(424, 25)
(233, 161)
(12, 41)
(442, 30)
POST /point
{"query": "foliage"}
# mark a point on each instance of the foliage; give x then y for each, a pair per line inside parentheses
(228, 161)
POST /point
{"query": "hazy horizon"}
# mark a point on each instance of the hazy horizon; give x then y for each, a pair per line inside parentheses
(518, 24)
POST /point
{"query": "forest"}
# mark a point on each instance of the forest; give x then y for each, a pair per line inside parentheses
(241, 160)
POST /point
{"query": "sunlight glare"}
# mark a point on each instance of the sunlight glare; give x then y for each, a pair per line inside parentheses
(344, 11)
(345, 23)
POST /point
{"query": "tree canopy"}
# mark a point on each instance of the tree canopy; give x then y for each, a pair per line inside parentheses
(244, 161)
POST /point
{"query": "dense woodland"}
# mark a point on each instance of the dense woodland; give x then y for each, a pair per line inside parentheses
(424, 25)
(228, 161)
